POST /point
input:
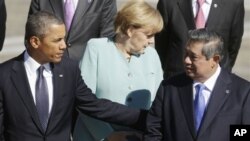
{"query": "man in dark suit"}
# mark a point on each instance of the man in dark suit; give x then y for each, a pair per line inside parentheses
(2, 23)
(182, 113)
(223, 17)
(40, 108)
(92, 19)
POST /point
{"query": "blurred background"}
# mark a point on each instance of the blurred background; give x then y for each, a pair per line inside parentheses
(17, 11)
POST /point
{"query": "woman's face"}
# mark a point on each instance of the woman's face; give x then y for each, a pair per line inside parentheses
(139, 39)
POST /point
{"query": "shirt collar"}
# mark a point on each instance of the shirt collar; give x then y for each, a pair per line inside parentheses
(206, 1)
(211, 81)
(32, 64)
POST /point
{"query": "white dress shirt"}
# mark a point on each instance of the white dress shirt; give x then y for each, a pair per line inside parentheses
(31, 67)
(209, 86)
(205, 7)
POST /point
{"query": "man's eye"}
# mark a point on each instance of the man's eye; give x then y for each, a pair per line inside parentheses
(150, 36)
(59, 39)
(194, 57)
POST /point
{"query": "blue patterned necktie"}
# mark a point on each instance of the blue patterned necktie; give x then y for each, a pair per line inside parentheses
(42, 98)
(199, 105)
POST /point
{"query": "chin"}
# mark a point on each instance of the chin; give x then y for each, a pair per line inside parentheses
(190, 74)
(56, 60)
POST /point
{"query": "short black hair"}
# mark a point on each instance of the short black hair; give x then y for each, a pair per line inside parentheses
(38, 23)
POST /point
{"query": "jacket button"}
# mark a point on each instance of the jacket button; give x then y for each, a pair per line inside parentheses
(68, 45)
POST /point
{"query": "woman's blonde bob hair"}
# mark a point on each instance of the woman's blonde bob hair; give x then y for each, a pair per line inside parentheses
(138, 14)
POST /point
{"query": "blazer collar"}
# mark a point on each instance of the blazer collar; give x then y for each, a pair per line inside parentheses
(81, 9)
(187, 11)
(20, 81)
(218, 97)
(214, 13)
(186, 98)
(57, 7)
(58, 85)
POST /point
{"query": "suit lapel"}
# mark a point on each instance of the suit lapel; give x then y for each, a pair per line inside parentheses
(57, 92)
(218, 97)
(214, 13)
(81, 9)
(186, 97)
(57, 6)
(20, 81)
(187, 11)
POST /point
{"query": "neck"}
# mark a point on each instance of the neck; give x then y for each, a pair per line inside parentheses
(121, 44)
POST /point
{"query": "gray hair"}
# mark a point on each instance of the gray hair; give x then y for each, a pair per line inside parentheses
(213, 43)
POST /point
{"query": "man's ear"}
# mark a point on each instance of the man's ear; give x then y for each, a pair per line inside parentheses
(216, 58)
(34, 42)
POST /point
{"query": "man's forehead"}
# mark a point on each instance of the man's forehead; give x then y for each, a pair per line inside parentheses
(195, 44)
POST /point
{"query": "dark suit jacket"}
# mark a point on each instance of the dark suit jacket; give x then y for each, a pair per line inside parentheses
(171, 115)
(19, 119)
(226, 17)
(2, 23)
(93, 19)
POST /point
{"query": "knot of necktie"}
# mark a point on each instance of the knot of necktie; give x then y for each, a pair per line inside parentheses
(200, 2)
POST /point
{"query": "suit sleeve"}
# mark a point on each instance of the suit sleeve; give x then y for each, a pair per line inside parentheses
(160, 38)
(154, 118)
(34, 7)
(236, 33)
(1, 117)
(108, 15)
(159, 73)
(103, 109)
(246, 107)
(3, 16)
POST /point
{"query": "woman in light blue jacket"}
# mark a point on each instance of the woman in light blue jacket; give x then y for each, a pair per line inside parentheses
(125, 69)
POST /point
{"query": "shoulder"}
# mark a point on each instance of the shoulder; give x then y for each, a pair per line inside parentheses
(166, 3)
(234, 4)
(99, 43)
(109, 2)
(151, 51)
(5, 66)
(9, 63)
(67, 63)
(178, 80)
(237, 1)
(237, 80)
(151, 54)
